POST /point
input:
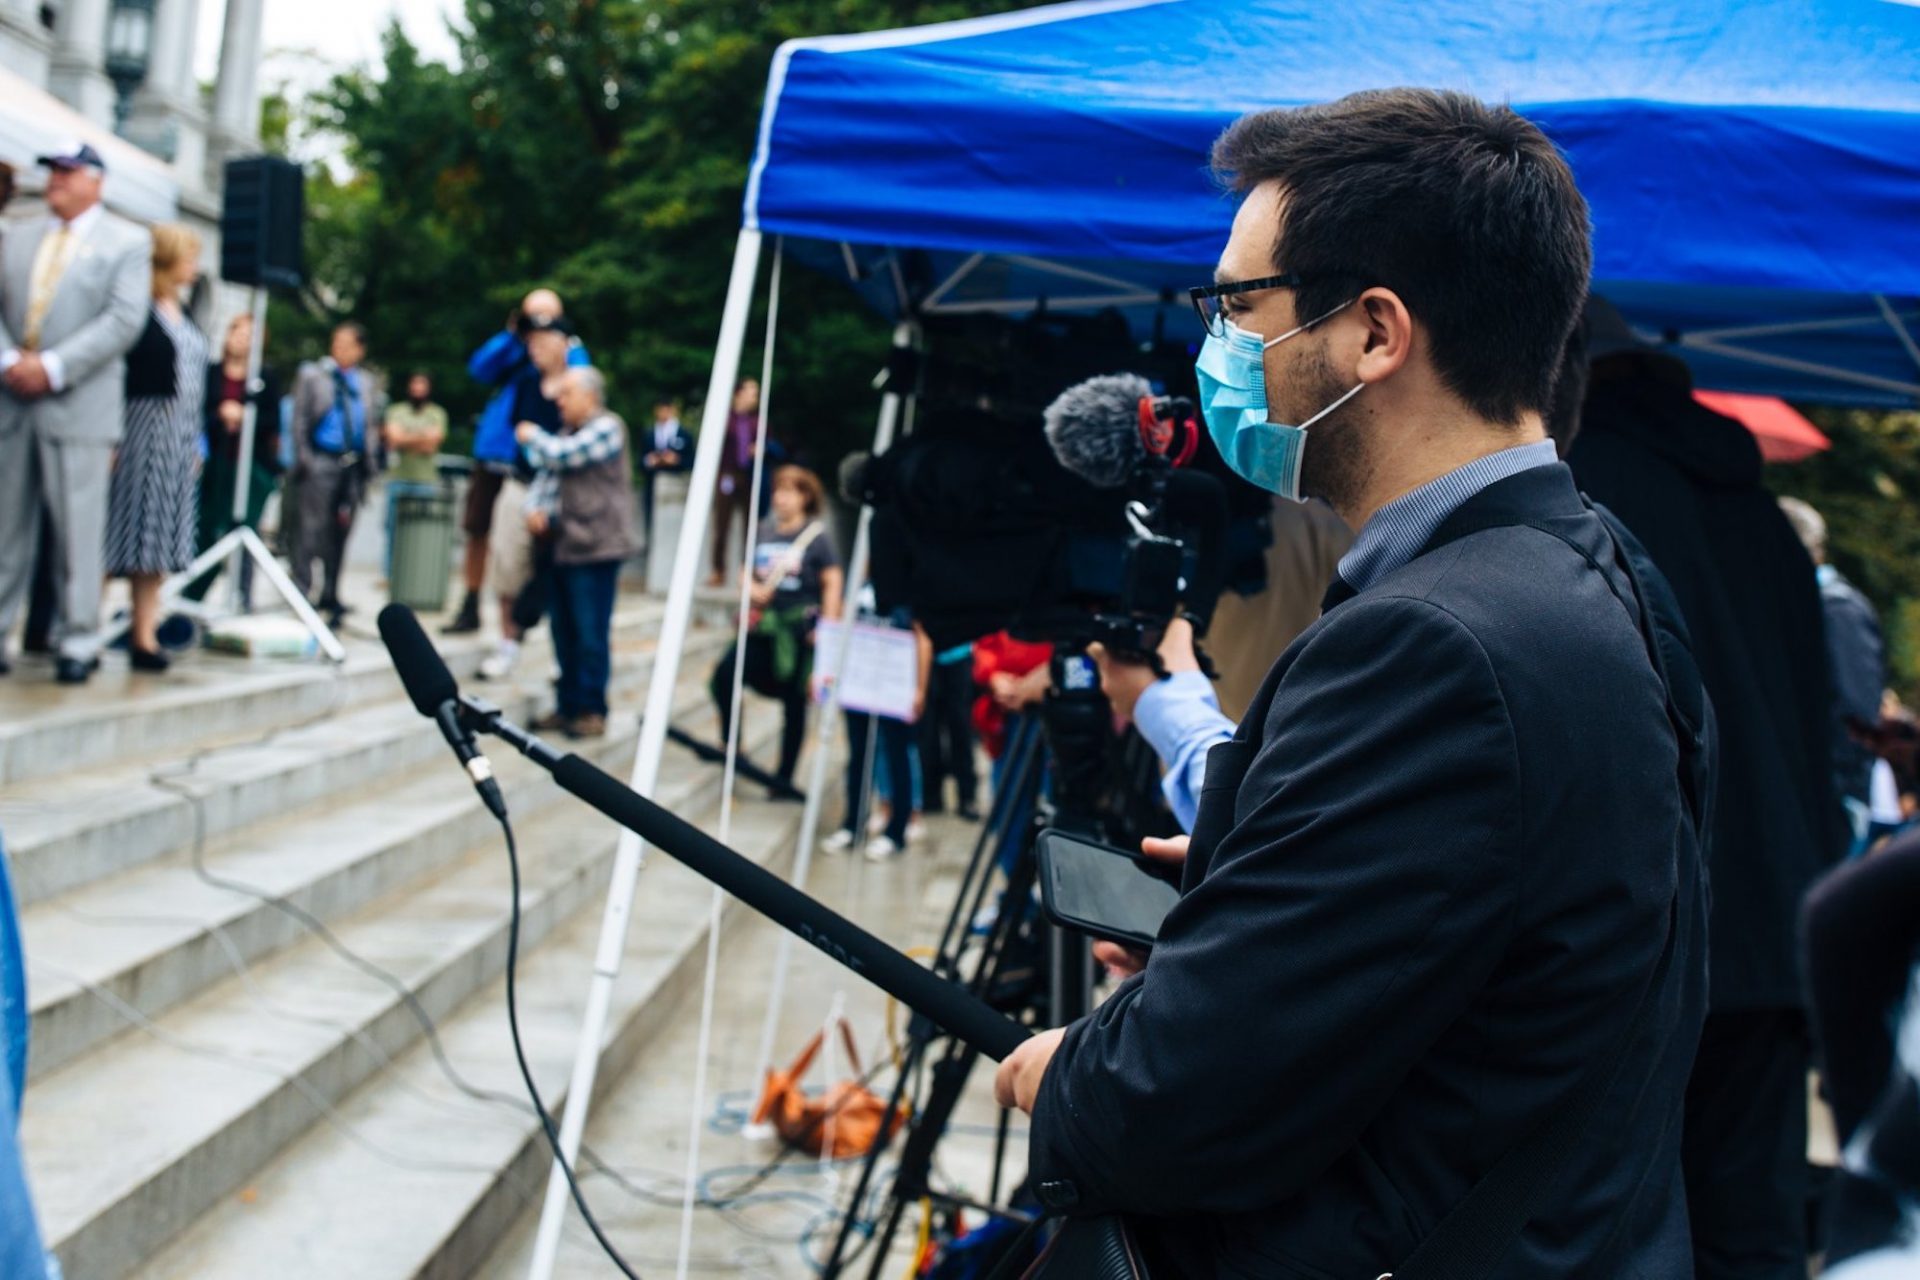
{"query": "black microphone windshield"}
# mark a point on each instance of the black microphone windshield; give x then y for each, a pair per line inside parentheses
(425, 676)
(1094, 428)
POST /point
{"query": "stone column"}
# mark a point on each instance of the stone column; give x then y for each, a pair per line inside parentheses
(171, 73)
(25, 45)
(167, 117)
(77, 75)
(236, 98)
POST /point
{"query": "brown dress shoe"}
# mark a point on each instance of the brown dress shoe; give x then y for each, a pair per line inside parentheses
(588, 727)
(552, 722)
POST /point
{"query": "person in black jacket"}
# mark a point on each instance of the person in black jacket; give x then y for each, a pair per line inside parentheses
(1687, 482)
(151, 512)
(1444, 889)
(230, 389)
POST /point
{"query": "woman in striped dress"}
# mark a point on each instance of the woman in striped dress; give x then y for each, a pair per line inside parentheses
(153, 509)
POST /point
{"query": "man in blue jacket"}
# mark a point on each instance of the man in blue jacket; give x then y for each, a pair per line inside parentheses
(1438, 969)
(497, 363)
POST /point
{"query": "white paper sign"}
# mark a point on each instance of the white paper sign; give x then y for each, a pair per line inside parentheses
(883, 668)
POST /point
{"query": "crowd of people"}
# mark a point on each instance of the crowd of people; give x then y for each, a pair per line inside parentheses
(121, 439)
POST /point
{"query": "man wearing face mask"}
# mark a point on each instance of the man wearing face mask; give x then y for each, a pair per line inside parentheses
(1429, 999)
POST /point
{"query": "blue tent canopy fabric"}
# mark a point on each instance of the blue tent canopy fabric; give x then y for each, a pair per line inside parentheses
(1753, 165)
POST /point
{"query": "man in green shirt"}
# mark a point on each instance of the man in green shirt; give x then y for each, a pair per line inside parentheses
(414, 430)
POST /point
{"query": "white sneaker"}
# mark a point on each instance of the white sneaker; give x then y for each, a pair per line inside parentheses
(499, 664)
(839, 842)
(916, 830)
(881, 849)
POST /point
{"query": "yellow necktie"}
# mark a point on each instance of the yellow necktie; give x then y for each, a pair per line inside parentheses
(49, 264)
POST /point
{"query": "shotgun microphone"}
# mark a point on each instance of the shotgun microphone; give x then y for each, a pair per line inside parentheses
(435, 695)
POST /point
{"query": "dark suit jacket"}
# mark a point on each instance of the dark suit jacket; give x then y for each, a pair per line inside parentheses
(1429, 881)
(682, 444)
(1687, 482)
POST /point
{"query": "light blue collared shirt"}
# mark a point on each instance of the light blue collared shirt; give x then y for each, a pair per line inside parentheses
(1180, 717)
(1398, 531)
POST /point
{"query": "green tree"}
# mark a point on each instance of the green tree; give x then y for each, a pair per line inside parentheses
(602, 147)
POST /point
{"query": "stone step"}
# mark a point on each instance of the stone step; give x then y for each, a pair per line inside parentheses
(332, 1206)
(79, 828)
(48, 730)
(131, 1144)
(157, 935)
(641, 1124)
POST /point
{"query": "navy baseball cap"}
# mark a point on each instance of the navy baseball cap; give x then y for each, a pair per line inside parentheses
(80, 155)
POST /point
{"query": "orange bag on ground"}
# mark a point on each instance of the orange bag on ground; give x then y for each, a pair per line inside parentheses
(845, 1121)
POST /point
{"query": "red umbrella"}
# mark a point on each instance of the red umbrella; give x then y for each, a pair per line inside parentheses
(1783, 434)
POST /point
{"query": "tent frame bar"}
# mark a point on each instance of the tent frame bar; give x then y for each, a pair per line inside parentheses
(1698, 343)
(1789, 327)
(948, 285)
(1899, 328)
(1014, 306)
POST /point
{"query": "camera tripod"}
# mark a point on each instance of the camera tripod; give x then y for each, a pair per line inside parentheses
(1069, 748)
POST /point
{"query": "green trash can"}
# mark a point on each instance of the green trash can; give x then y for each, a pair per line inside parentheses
(422, 550)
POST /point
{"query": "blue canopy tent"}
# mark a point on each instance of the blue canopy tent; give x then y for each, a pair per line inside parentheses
(1753, 165)
(1753, 168)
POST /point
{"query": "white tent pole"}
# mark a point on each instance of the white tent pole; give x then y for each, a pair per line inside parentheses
(903, 335)
(653, 733)
(710, 981)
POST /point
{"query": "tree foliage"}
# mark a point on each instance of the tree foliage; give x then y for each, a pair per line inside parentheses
(597, 146)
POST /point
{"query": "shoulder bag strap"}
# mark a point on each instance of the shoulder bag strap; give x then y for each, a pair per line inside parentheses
(1471, 1240)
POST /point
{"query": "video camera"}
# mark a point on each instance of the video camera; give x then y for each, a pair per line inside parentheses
(1098, 528)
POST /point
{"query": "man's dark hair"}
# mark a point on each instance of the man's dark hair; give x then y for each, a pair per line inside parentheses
(1464, 210)
(354, 327)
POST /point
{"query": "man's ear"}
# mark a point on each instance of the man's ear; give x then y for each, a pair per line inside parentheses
(1387, 334)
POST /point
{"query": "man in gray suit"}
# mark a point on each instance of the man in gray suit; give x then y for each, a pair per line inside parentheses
(74, 295)
(332, 409)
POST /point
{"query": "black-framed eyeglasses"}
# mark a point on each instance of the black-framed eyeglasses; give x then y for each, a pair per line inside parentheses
(1208, 299)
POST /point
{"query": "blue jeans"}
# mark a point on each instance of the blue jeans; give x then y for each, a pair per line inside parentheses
(580, 615)
(396, 490)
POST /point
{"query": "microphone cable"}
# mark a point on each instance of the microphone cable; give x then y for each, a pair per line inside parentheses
(520, 1056)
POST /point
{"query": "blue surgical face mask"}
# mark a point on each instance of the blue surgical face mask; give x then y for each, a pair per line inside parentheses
(1233, 398)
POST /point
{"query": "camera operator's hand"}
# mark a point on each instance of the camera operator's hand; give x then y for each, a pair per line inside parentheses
(1017, 1083)
(1124, 681)
(1124, 962)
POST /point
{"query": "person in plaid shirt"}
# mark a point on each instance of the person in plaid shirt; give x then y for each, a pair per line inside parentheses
(582, 496)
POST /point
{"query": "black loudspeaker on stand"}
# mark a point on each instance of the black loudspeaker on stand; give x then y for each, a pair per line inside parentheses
(261, 221)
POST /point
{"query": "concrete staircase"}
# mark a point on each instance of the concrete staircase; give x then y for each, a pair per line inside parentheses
(246, 898)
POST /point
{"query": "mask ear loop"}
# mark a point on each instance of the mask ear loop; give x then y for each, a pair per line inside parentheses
(1330, 408)
(1274, 342)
